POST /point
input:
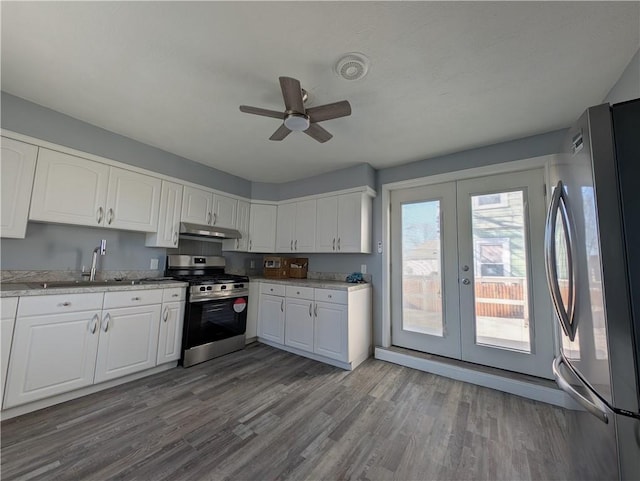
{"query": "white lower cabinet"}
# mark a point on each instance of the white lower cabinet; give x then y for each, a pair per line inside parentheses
(271, 313)
(330, 331)
(54, 346)
(9, 305)
(171, 323)
(66, 342)
(328, 325)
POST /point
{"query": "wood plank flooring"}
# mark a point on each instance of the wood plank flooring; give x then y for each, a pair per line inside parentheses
(265, 414)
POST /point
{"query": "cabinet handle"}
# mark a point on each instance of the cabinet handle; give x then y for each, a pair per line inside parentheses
(64, 304)
(338, 243)
(209, 218)
(329, 296)
(237, 243)
(315, 311)
(282, 305)
(99, 215)
(166, 314)
(296, 245)
(309, 309)
(249, 244)
(215, 218)
(109, 216)
(334, 243)
(291, 246)
(105, 322)
(175, 295)
(93, 325)
(135, 298)
(175, 238)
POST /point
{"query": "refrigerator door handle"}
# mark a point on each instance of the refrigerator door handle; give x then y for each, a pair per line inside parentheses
(566, 314)
(592, 404)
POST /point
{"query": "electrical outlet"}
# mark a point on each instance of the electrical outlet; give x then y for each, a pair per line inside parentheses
(363, 268)
(154, 264)
(252, 264)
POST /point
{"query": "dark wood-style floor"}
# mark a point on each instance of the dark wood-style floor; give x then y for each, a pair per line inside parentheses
(263, 414)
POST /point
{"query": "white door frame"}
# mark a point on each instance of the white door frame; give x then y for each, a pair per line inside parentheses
(501, 168)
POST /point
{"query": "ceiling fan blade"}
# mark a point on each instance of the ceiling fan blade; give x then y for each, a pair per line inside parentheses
(316, 132)
(292, 94)
(281, 133)
(258, 111)
(329, 111)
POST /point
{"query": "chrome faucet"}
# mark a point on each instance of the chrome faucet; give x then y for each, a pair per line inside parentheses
(102, 250)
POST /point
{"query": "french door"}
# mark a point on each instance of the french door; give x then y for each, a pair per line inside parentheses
(467, 271)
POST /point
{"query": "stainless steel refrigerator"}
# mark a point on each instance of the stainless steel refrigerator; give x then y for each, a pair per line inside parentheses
(592, 250)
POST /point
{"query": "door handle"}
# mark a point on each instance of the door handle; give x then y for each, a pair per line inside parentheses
(295, 245)
(237, 243)
(93, 325)
(99, 215)
(310, 309)
(466, 281)
(338, 243)
(215, 218)
(315, 311)
(175, 238)
(282, 305)
(291, 246)
(334, 243)
(209, 218)
(105, 322)
(249, 244)
(592, 403)
(110, 216)
(166, 314)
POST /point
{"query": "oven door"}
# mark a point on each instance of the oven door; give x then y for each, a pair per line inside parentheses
(215, 320)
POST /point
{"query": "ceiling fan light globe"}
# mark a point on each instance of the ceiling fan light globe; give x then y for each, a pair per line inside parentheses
(297, 122)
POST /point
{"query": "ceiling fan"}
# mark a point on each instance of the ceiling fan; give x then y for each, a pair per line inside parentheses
(296, 117)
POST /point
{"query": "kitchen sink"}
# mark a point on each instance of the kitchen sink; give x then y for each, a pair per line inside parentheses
(83, 283)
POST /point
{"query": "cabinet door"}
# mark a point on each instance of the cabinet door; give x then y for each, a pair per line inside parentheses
(350, 223)
(69, 189)
(330, 331)
(170, 338)
(128, 341)
(298, 325)
(262, 228)
(52, 354)
(197, 206)
(17, 169)
(305, 227)
(9, 306)
(271, 318)
(242, 225)
(224, 211)
(168, 217)
(133, 201)
(327, 224)
(286, 217)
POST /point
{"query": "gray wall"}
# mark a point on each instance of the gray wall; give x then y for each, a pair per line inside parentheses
(24, 117)
(628, 86)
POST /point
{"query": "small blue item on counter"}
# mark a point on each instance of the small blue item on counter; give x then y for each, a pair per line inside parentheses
(355, 278)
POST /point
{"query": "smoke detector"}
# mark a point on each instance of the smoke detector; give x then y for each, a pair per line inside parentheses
(352, 66)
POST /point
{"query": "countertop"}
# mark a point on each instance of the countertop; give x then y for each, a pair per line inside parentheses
(21, 289)
(317, 283)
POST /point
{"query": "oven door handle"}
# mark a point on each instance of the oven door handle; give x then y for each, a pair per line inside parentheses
(231, 295)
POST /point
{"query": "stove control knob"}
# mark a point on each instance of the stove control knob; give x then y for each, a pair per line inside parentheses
(202, 288)
(208, 288)
(223, 287)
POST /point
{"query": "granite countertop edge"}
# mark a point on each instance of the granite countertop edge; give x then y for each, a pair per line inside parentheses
(317, 283)
(22, 289)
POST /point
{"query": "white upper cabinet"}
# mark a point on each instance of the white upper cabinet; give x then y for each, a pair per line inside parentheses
(72, 190)
(201, 206)
(262, 228)
(169, 217)
(296, 227)
(18, 166)
(242, 225)
(344, 223)
(133, 201)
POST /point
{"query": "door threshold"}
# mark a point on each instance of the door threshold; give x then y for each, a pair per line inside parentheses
(524, 385)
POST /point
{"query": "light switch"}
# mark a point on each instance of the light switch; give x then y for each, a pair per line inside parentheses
(154, 263)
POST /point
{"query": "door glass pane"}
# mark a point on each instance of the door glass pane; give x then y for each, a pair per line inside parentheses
(500, 271)
(421, 268)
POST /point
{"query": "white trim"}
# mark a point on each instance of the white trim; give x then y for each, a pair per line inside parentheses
(67, 396)
(365, 189)
(493, 169)
(521, 388)
(349, 366)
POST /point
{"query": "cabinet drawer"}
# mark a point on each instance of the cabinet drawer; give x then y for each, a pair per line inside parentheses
(56, 304)
(273, 289)
(300, 292)
(132, 298)
(330, 295)
(174, 294)
(8, 307)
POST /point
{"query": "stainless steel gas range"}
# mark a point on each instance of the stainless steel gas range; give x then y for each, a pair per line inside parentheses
(215, 318)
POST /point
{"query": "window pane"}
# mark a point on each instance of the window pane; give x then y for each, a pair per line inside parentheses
(421, 268)
(500, 260)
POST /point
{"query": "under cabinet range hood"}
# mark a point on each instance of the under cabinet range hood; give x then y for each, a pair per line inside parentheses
(204, 232)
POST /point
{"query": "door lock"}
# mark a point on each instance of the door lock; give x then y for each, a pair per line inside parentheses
(466, 281)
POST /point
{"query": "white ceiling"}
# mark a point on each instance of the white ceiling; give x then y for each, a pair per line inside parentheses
(444, 76)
